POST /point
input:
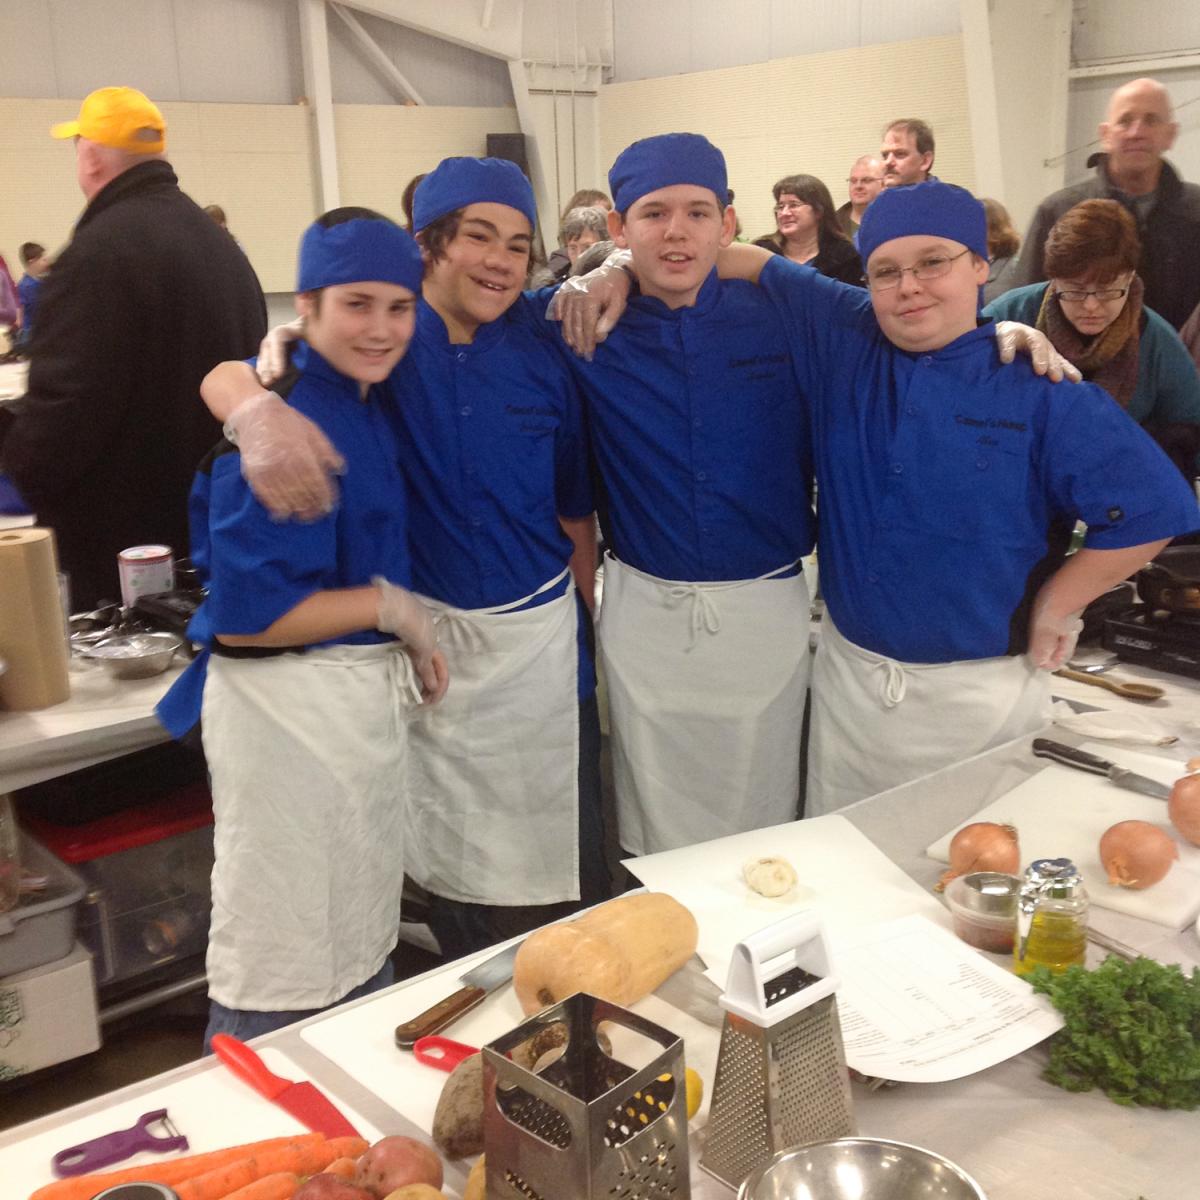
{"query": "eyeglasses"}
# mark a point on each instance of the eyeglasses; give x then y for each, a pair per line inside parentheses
(865, 179)
(881, 279)
(1076, 296)
(792, 206)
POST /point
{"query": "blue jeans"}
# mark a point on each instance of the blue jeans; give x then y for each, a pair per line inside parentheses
(245, 1023)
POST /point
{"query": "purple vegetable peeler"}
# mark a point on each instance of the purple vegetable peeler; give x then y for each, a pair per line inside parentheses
(114, 1147)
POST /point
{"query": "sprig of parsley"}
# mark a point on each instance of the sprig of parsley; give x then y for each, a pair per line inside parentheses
(1132, 1030)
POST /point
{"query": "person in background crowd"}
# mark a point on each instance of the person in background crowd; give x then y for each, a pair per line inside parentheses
(1190, 335)
(581, 228)
(217, 214)
(10, 304)
(406, 199)
(36, 262)
(305, 693)
(147, 298)
(506, 832)
(907, 152)
(1138, 129)
(866, 182)
(1092, 311)
(949, 486)
(1003, 243)
(558, 265)
(807, 229)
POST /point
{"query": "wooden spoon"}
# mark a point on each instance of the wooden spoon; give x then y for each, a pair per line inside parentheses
(1131, 691)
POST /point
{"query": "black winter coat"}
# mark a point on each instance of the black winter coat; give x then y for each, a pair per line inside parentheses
(1170, 266)
(148, 297)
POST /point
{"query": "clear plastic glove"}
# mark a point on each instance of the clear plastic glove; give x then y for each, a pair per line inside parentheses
(404, 614)
(273, 352)
(590, 305)
(1012, 336)
(1052, 638)
(286, 459)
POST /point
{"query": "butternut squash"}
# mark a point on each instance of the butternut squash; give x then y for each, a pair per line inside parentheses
(619, 951)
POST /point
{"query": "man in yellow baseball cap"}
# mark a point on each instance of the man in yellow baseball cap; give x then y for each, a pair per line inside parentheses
(119, 117)
(148, 297)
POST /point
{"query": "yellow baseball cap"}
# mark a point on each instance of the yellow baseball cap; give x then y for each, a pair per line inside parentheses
(120, 117)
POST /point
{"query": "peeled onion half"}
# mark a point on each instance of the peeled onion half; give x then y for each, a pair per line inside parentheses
(1137, 854)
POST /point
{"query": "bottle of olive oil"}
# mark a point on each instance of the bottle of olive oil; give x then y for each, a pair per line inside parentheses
(1051, 917)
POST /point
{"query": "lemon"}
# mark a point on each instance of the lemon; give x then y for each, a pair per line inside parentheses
(695, 1092)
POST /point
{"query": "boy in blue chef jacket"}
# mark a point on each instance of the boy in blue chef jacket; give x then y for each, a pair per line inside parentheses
(306, 692)
(950, 484)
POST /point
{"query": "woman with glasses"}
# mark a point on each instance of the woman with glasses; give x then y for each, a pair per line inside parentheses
(1091, 310)
(807, 229)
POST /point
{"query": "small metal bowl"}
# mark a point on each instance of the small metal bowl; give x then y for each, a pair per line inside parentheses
(859, 1168)
(990, 893)
(134, 655)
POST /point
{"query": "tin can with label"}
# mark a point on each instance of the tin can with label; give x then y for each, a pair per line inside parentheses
(144, 571)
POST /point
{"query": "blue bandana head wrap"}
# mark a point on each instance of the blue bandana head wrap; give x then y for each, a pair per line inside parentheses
(933, 208)
(664, 161)
(359, 251)
(456, 182)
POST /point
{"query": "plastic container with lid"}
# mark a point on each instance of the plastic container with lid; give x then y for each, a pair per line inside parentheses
(983, 907)
(41, 929)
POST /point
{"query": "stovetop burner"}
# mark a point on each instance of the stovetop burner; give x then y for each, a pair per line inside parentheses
(1165, 641)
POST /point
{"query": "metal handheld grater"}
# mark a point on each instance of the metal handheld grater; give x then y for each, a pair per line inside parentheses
(588, 1126)
(781, 1072)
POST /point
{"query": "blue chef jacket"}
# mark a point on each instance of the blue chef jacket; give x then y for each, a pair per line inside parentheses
(950, 482)
(700, 434)
(258, 569)
(494, 450)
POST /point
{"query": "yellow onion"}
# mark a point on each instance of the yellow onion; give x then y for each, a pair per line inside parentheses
(1184, 807)
(1137, 854)
(982, 846)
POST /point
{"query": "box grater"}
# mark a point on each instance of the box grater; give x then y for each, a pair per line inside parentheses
(589, 1126)
(781, 1071)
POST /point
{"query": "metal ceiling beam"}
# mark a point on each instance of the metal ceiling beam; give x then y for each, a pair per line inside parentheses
(314, 49)
(392, 75)
(493, 29)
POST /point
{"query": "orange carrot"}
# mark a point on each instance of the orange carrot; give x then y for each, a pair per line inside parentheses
(343, 1168)
(270, 1187)
(303, 1160)
(171, 1171)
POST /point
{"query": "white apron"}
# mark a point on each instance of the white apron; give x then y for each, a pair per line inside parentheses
(307, 754)
(493, 768)
(878, 723)
(706, 686)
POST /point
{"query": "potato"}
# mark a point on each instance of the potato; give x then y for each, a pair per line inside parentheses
(395, 1162)
(458, 1119)
(476, 1188)
(330, 1187)
(416, 1191)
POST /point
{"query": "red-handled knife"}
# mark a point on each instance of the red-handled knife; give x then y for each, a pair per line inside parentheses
(304, 1101)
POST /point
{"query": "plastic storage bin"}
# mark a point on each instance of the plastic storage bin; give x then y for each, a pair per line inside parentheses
(147, 872)
(41, 929)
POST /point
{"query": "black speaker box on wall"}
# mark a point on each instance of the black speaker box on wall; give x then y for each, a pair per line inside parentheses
(510, 146)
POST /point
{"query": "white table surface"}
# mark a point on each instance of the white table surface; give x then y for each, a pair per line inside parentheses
(1018, 1135)
(102, 719)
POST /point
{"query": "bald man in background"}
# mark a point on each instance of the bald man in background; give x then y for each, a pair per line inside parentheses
(866, 182)
(1138, 129)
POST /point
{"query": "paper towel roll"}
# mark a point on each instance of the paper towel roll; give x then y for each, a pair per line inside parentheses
(31, 621)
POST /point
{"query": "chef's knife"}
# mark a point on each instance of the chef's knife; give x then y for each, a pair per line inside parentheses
(477, 983)
(1081, 760)
(304, 1101)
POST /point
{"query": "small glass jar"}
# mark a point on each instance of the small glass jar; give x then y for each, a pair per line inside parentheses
(1051, 917)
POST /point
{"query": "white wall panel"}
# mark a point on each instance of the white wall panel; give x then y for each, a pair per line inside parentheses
(670, 37)
(26, 49)
(380, 148)
(102, 42)
(824, 110)
(1122, 29)
(442, 72)
(244, 51)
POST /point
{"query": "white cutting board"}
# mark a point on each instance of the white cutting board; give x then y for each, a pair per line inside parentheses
(1061, 813)
(213, 1109)
(360, 1040)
